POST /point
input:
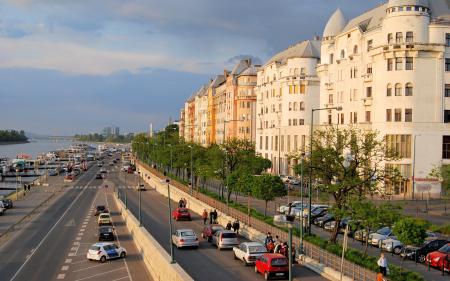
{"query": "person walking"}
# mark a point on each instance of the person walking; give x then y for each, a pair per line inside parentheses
(382, 263)
(211, 216)
(228, 227)
(204, 216)
(268, 239)
(184, 202)
(236, 226)
(180, 203)
(214, 216)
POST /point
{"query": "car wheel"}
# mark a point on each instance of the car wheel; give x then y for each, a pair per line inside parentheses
(102, 259)
(256, 270)
(266, 275)
(397, 250)
(421, 258)
(245, 262)
(123, 255)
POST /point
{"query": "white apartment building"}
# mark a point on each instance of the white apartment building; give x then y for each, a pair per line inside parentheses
(389, 69)
(201, 116)
(287, 89)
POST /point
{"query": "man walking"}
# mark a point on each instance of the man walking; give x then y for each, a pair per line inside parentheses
(382, 263)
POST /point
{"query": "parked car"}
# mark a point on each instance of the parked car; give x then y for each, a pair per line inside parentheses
(105, 233)
(185, 238)
(392, 244)
(98, 176)
(181, 214)
(383, 233)
(422, 251)
(99, 164)
(440, 258)
(321, 221)
(295, 205)
(210, 230)
(225, 239)
(318, 212)
(52, 172)
(360, 235)
(294, 181)
(7, 203)
(104, 251)
(249, 252)
(104, 219)
(140, 187)
(272, 265)
(100, 209)
(285, 178)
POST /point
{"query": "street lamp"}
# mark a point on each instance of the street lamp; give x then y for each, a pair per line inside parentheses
(170, 222)
(287, 221)
(338, 108)
(303, 207)
(140, 201)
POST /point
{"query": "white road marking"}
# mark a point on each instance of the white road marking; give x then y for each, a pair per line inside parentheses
(78, 270)
(68, 261)
(76, 243)
(78, 238)
(77, 262)
(73, 248)
(71, 255)
(121, 278)
(64, 268)
(103, 273)
(61, 276)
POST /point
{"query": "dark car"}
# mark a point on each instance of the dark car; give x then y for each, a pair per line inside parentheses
(7, 203)
(98, 176)
(321, 221)
(105, 233)
(318, 212)
(424, 250)
(101, 209)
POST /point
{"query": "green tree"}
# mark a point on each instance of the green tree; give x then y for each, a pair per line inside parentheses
(268, 187)
(411, 231)
(350, 163)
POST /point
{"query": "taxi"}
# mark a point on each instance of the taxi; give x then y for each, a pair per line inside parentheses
(104, 219)
(105, 251)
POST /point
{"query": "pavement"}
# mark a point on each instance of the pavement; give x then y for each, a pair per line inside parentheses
(52, 246)
(204, 263)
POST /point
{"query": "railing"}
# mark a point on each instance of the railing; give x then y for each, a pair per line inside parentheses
(324, 257)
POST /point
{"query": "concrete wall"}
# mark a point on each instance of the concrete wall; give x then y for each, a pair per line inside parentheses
(156, 259)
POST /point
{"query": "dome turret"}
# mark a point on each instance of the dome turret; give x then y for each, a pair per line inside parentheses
(335, 24)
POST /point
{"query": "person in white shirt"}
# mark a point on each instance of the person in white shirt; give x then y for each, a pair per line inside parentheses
(382, 263)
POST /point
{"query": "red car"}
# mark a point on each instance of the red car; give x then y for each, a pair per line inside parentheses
(210, 230)
(272, 265)
(181, 214)
(440, 258)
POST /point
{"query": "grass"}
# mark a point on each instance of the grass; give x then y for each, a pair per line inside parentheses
(444, 229)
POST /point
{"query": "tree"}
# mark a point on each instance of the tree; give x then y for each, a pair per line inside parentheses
(267, 187)
(350, 163)
(411, 231)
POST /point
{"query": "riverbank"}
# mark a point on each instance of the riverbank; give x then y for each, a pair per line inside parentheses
(13, 142)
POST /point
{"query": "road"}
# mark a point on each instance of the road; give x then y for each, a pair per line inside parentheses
(52, 246)
(205, 263)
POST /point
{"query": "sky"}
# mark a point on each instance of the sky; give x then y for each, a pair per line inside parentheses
(71, 66)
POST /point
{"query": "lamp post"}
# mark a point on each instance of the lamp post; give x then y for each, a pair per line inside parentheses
(311, 127)
(140, 201)
(170, 222)
(303, 207)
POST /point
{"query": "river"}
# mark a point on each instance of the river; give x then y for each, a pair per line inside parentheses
(34, 147)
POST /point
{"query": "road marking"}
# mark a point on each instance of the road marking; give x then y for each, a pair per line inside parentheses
(48, 233)
(73, 248)
(68, 261)
(61, 276)
(64, 268)
(78, 238)
(78, 270)
(121, 278)
(71, 255)
(77, 262)
(103, 273)
(76, 243)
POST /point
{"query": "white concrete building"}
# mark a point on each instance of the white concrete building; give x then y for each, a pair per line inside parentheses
(389, 69)
(201, 116)
(287, 88)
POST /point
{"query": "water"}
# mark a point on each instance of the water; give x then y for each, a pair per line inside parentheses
(35, 147)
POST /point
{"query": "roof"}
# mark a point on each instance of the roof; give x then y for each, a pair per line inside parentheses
(219, 79)
(368, 20)
(241, 66)
(396, 3)
(335, 24)
(304, 49)
(250, 71)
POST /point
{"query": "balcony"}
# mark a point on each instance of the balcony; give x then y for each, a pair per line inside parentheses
(329, 86)
(367, 101)
(368, 77)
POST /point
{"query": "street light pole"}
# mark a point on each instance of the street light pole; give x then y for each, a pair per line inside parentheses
(170, 222)
(140, 201)
(301, 211)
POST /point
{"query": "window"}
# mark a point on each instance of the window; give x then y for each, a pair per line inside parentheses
(447, 65)
(290, 122)
(368, 116)
(267, 142)
(408, 90)
(342, 117)
(301, 121)
(447, 39)
(398, 37)
(446, 147)
(390, 38)
(296, 91)
(398, 90)
(290, 106)
(330, 98)
(397, 115)
(260, 142)
(390, 64)
(409, 37)
(342, 54)
(291, 89)
(369, 92)
(295, 142)
(447, 90)
(302, 88)
(329, 119)
(295, 106)
(446, 116)
(369, 69)
(276, 143)
(369, 45)
(389, 90)
(331, 58)
(288, 144)
(408, 115)
(302, 106)
(400, 144)
(355, 117)
(355, 49)
(398, 63)
(409, 63)
(282, 143)
(388, 115)
(294, 122)
(302, 71)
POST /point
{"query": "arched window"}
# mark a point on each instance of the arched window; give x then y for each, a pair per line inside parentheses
(290, 106)
(295, 106)
(409, 89)
(409, 37)
(342, 54)
(355, 49)
(302, 106)
(389, 90)
(398, 89)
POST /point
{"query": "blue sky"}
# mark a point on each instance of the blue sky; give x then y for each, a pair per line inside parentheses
(77, 66)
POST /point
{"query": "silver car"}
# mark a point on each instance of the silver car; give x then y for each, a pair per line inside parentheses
(185, 238)
(225, 239)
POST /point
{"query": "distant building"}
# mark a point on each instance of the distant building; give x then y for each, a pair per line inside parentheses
(107, 131)
(117, 131)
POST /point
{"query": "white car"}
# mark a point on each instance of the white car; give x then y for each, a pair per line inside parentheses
(185, 238)
(224, 239)
(295, 205)
(105, 251)
(392, 245)
(249, 252)
(377, 237)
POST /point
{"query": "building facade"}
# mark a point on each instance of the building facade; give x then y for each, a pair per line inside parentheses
(287, 89)
(389, 70)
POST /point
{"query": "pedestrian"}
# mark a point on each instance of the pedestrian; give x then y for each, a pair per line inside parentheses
(277, 248)
(228, 227)
(270, 247)
(382, 263)
(380, 276)
(211, 215)
(284, 250)
(184, 203)
(204, 216)
(276, 240)
(214, 216)
(236, 226)
(180, 203)
(268, 239)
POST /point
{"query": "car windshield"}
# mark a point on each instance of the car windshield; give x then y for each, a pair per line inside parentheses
(229, 235)
(105, 229)
(104, 216)
(182, 211)
(279, 262)
(95, 248)
(445, 249)
(257, 249)
(384, 231)
(214, 229)
(187, 233)
(100, 208)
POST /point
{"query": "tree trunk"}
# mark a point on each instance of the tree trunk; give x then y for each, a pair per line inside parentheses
(229, 195)
(265, 209)
(335, 232)
(367, 242)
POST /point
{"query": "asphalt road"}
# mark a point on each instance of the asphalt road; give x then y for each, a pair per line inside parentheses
(41, 250)
(204, 263)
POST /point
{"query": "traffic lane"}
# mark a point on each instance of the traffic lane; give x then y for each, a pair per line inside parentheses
(15, 252)
(204, 263)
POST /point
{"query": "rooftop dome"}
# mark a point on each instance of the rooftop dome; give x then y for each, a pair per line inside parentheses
(398, 3)
(335, 24)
